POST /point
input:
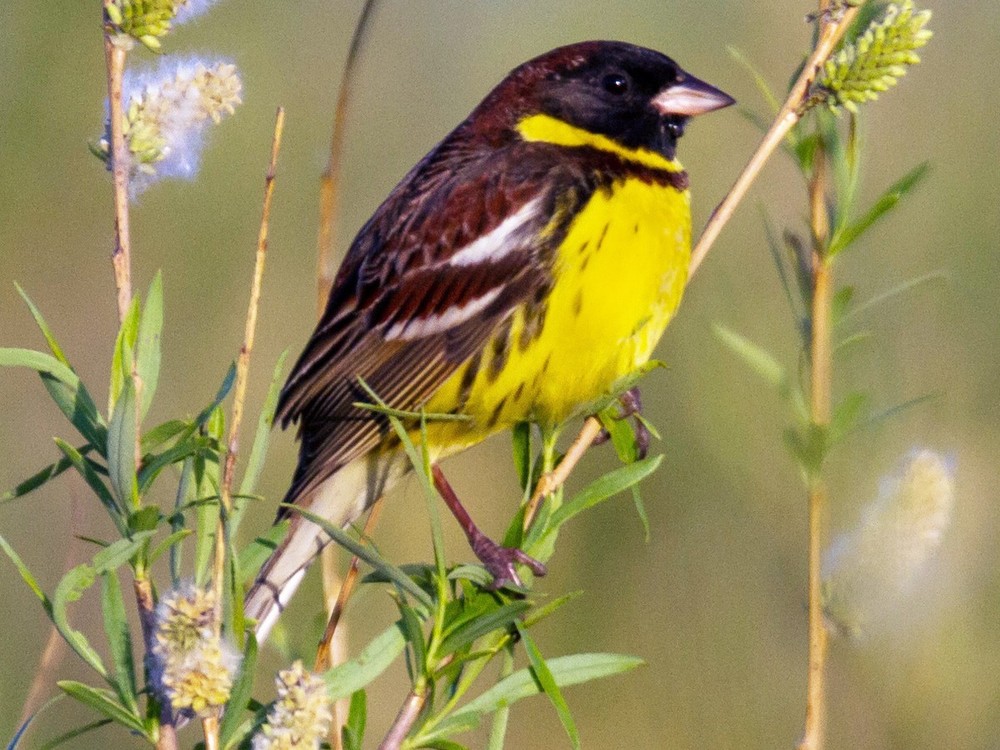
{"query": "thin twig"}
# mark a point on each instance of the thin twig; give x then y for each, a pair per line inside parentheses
(820, 396)
(404, 721)
(324, 658)
(121, 254)
(553, 480)
(210, 726)
(789, 114)
(243, 364)
(329, 186)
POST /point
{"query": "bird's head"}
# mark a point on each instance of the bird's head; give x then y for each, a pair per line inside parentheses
(638, 97)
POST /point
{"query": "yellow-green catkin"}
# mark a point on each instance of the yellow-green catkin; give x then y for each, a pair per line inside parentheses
(300, 717)
(868, 571)
(191, 666)
(874, 61)
(147, 21)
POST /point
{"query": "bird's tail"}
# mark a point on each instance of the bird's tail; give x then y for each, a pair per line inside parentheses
(341, 499)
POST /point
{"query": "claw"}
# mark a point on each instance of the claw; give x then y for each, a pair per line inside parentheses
(500, 561)
(631, 403)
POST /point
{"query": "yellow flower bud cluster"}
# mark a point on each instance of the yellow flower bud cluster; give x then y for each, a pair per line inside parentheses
(876, 60)
(191, 666)
(300, 717)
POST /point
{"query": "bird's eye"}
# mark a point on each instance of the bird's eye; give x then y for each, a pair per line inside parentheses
(615, 83)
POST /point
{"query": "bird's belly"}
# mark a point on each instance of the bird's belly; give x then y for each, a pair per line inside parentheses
(618, 278)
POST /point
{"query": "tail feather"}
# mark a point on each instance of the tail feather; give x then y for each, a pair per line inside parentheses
(341, 498)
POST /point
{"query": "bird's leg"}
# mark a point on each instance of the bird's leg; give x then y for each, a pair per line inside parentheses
(499, 561)
(631, 403)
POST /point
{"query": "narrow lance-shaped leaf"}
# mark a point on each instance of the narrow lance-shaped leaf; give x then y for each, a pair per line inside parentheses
(50, 338)
(547, 682)
(102, 702)
(885, 203)
(123, 359)
(119, 639)
(121, 448)
(70, 589)
(565, 670)
(147, 356)
(374, 659)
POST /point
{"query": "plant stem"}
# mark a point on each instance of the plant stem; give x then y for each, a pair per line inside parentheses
(166, 738)
(405, 719)
(820, 397)
(790, 113)
(243, 367)
(121, 255)
(329, 186)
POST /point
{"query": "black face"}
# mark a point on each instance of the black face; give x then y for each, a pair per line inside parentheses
(612, 94)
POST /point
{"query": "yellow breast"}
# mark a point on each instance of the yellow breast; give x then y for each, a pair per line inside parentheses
(618, 278)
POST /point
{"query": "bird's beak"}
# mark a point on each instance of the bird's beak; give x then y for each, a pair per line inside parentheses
(689, 97)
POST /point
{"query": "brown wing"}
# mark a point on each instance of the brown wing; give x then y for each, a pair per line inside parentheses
(420, 291)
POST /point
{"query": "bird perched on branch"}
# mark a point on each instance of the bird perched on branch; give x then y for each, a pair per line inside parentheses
(521, 269)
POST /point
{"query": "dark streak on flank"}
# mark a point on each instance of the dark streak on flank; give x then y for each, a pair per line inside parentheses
(519, 392)
(578, 302)
(495, 415)
(468, 379)
(500, 348)
(600, 240)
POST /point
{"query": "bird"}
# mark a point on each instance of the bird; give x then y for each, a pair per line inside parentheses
(528, 263)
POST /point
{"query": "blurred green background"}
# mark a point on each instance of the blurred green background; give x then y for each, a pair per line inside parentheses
(715, 602)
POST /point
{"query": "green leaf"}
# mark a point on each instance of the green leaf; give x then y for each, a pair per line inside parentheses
(123, 359)
(808, 447)
(353, 675)
(565, 671)
(501, 618)
(353, 733)
(15, 741)
(168, 542)
(154, 465)
(885, 203)
(119, 640)
(38, 479)
(50, 339)
(758, 359)
(840, 304)
(66, 390)
(547, 682)
(26, 575)
(70, 589)
(165, 432)
(366, 553)
(253, 555)
(121, 448)
(96, 483)
(521, 439)
(847, 415)
(207, 485)
(549, 609)
(603, 488)
(120, 552)
(897, 290)
(103, 702)
(147, 360)
(241, 694)
(414, 632)
(72, 734)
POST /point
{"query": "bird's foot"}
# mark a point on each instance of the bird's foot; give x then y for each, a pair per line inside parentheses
(631, 403)
(501, 562)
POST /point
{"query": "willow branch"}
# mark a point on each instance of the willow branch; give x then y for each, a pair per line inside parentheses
(243, 365)
(121, 254)
(329, 186)
(404, 721)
